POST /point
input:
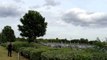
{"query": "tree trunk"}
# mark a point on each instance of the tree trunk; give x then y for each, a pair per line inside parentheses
(35, 40)
(29, 40)
(32, 39)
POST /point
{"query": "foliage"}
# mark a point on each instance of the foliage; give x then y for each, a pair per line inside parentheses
(73, 55)
(17, 45)
(33, 25)
(0, 37)
(82, 41)
(59, 54)
(35, 51)
(7, 34)
(4, 44)
(21, 39)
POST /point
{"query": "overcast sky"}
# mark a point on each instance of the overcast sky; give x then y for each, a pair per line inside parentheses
(71, 19)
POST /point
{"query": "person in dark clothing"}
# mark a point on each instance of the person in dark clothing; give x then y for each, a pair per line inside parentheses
(9, 50)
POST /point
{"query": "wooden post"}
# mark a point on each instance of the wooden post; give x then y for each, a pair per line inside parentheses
(18, 56)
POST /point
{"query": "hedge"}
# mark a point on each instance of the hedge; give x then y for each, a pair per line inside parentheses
(17, 45)
(59, 54)
(73, 55)
(33, 53)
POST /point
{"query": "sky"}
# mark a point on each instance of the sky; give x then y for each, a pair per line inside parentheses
(70, 19)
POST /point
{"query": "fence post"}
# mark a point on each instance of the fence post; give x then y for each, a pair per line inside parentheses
(18, 55)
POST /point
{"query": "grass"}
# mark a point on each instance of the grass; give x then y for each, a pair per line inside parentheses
(4, 56)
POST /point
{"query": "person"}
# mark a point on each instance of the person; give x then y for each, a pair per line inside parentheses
(9, 49)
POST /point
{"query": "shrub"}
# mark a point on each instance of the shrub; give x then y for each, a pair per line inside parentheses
(59, 54)
(4, 44)
(33, 53)
(26, 51)
(67, 54)
(17, 45)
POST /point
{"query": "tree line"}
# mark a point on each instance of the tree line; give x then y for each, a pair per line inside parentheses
(80, 41)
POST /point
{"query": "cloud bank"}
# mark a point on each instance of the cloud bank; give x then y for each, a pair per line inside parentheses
(80, 17)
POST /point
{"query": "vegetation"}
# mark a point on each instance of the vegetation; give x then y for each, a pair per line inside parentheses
(7, 34)
(36, 51)
(33, 25)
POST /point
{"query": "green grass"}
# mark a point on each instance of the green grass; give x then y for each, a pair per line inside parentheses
(4, 56)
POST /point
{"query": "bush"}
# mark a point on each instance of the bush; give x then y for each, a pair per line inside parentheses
(59, 54)
(17, 45)
(99, 56)
(26, 51)
(4, 44)
(67, 54)
(33, 53)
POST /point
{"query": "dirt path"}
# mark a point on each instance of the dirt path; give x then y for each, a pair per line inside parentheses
(3, 55)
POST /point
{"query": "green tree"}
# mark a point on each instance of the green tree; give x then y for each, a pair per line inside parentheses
(7, 34)
(33, 25)
(0, 38)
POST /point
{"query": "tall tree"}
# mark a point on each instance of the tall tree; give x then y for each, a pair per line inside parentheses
(8, 34)
(0, 38)
(33, 25)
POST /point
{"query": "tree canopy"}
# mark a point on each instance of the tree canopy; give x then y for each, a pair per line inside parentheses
(7, 34)
(33, 25)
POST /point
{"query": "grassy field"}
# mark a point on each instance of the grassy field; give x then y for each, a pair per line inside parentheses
(3, 55)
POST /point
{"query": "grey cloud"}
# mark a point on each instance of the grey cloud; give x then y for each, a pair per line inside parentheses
(85, 19)
(35, 7)
(48, 4)
(18, 1)
(51, 3)
(9, 11)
